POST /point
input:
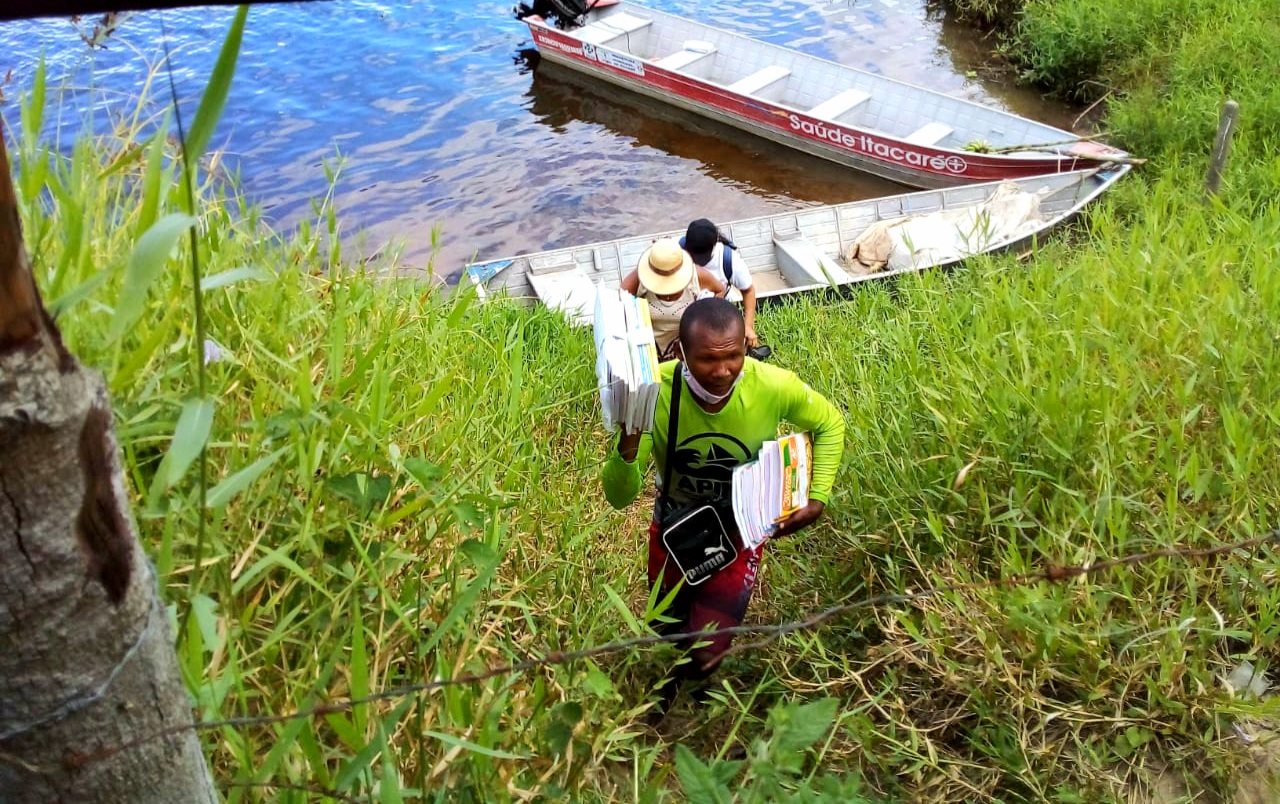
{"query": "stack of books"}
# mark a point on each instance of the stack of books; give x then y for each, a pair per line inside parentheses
(772, 486)
(626, 360)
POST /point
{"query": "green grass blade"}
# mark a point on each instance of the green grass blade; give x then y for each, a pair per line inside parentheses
(358, 669)
(242, 274)
(389, 781)
(153, 180)
(232, 485)
(486, 567)
(189, 437)
(32, 112)
(273, 558)
(624, 611)
(449, 739)
(78, 293)
(462, 300)
(146, 263)
(215, 93)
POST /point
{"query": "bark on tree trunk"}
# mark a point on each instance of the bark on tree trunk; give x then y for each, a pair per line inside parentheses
(86, 650)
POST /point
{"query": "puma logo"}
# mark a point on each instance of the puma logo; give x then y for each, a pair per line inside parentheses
(713, 550)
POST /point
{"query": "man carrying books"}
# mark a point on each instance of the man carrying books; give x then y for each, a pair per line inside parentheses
(728, 406)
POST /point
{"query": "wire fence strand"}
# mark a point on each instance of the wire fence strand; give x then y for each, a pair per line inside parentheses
(768, 633)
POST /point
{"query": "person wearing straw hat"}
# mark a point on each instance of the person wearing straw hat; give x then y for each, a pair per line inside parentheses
(666, 277)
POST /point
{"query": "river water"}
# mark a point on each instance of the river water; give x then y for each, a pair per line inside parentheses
(433, 122)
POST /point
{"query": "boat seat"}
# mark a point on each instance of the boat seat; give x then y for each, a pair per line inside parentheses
(572, 294)
(930, 134)
(611, 27)
(551, 265)
(682, 58)
(802, 264)
(759, 80)
(836, 105)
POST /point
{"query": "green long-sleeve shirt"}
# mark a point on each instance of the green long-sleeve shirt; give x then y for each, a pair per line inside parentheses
(710, 445)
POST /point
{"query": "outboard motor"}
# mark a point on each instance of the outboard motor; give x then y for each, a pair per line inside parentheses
(564, 13)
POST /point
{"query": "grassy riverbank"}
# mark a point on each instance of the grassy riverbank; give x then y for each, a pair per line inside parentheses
(1164, 67)
(405, 489)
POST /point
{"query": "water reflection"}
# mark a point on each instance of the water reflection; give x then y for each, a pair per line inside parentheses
(592, 162)
(967, 52)
(432, 124)
(751, 165)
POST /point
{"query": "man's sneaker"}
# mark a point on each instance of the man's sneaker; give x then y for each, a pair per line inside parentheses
(760, 352)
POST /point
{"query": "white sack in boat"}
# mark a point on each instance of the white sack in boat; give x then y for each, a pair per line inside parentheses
(947, 235)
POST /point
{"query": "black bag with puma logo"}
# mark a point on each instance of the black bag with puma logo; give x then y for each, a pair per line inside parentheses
(694, 535)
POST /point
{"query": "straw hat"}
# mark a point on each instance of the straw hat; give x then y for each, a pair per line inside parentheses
(665, 268)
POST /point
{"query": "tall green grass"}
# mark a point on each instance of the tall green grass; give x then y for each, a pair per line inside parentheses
(403, 487)
(1165, 68)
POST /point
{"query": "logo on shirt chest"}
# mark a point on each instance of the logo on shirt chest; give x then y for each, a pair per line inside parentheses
(705, 463)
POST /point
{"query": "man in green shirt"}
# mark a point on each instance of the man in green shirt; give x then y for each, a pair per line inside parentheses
(730, 404)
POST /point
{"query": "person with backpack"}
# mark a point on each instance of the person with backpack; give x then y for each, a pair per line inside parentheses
(710, 249)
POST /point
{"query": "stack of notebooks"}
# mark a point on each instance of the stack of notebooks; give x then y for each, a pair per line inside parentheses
(626, 360)
(772, 486)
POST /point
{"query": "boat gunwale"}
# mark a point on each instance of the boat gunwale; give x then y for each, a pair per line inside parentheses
(1106, 176)
(874, 77)
(995, 167)
(861, 148)
(997, 247)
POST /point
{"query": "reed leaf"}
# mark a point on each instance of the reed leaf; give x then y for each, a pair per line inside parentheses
(214, 98)
(146, 263)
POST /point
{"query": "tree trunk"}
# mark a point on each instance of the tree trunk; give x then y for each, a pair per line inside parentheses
(87, 663)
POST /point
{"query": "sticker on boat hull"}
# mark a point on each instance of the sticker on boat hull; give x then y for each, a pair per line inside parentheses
(619, 61)
(543, 40)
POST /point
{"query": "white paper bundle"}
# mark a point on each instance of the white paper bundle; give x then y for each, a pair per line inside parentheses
(775, 484)
(626, 360)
